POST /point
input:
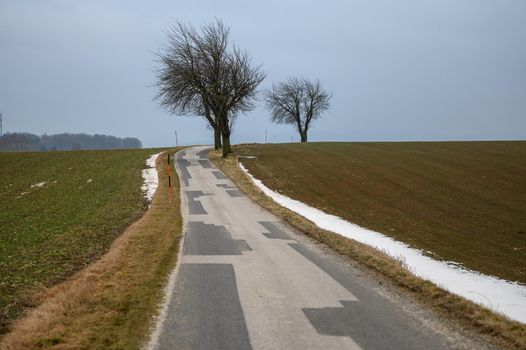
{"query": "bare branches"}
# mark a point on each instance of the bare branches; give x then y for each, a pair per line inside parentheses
(199, 75)
(297, 101)
(178, 76)
(242, 81)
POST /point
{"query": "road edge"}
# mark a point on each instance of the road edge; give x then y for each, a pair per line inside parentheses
(169, 288)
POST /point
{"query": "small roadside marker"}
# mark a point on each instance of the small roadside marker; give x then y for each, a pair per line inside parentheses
(169, 172)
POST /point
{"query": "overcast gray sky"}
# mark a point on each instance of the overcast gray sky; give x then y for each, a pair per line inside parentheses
(398, 70)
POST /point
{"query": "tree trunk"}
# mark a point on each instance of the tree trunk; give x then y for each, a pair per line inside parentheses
(217, 138)
(303, 137)
(226, 145)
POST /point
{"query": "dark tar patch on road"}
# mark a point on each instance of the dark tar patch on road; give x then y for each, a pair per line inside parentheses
(205, 163)
(207, 239)
(207, 313)
(219, 175)
(365, 319)
(225, 186)
(183, 165)
(195, 207)
(355, 320)
(203, 154)
(336, 321)
(235, 193)
(274, 231)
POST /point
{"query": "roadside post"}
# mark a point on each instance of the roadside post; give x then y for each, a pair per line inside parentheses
(169, 172)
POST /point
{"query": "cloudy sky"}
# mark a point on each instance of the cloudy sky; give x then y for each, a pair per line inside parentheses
(398, 70)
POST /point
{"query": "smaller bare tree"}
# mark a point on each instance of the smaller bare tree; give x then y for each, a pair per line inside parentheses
(298, 102)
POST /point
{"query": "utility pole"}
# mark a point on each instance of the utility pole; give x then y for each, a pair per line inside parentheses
(266, 136)
(1, 131)
(176, 140)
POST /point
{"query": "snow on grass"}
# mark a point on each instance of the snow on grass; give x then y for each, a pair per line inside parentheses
(502, 296)
(151, 179)
(39, 184)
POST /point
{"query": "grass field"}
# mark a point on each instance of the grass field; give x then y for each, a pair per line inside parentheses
(112, 302)
(59, 211)
(461, 201)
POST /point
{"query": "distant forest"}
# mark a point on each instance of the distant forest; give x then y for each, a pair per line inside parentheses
(28, 142)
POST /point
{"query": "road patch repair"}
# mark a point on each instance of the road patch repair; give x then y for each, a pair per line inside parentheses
(219, 175)
(194, 205)
(246, 280)
(209, 239)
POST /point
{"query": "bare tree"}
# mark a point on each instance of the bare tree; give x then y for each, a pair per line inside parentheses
(234, 93)
(201, 75)
(179, 80)
(298, 102)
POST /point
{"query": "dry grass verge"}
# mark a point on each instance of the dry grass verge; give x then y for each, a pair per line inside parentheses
(110, 304)
(497, 328)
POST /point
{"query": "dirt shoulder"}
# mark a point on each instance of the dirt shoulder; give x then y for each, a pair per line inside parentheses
(112, 303)
(497, 329)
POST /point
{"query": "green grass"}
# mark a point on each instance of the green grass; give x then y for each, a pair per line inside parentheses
(47, 233)
(461, 201)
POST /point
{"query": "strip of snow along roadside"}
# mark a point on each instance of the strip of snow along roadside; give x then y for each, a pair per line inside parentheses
(151, 179)
(505, 297)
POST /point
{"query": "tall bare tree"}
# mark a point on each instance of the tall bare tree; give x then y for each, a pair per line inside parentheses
(234, 92)
(179, 80)
(298, 102)
(202, 75)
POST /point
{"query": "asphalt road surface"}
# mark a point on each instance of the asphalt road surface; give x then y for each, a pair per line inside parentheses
(245, 280)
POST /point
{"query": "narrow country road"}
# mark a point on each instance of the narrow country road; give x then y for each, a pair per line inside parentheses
(247, 281)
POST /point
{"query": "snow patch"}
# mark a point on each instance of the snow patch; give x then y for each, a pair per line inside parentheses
(39, 184)
(22, 194)
(151, 178)
(502, 296)
(89, 180)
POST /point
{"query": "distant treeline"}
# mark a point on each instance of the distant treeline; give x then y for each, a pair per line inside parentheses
(18, 141)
